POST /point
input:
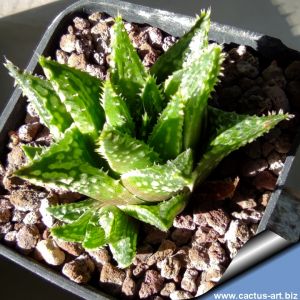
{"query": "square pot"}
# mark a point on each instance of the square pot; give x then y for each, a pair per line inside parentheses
(281, 213)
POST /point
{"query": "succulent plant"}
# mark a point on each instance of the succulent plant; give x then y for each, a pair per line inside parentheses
(137, 144)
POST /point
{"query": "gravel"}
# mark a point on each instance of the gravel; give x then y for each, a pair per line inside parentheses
(50, 252)
(191, 257)
(80, 269)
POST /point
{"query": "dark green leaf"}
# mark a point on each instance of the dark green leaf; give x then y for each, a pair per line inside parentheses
(185, 50)
(41, 94)
(80, 92)
(67, 165)
(167, 135)
(70, 212)
(116, 111)
(121, 233)
(232, 131)
(95, 235)
(127, 71)
(160, 215)
(158, 182)
(32, 152)
(125, 153)
(75, 231)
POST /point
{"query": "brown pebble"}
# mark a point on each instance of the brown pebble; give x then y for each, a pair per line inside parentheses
(96, 17)
(142, 254)
(204, 235)
(283, 144)
(184, 221)
(204, 287)
(25, 200)
(275, 162)
(264, 199)
(50, 252)
(27, 132)
(33, 217)
(77, 61)
(79, 269)
(96, 71)
(100, 256)
(265, 181)
(273, 75)
(166, 248)
(154, 236)
(248, 215)
(10, 238)
(67, 43)
(267, 148)
(101, 30)
(5, 215)
(80, 23)
(213, 274)
(170, 268)
(168, 42)
(5, 228)
(218, 219)
(253, 150)
(247, 69)
(251, 167)
(129, 287)
(180, 295)
(15, 159)
(62, 57)
(152, 284)
(70, 247)
(155, 37)
(189, 280)
(278, 98)
(112, 276)
(27, 237)
(83, 46)
(198, 258)
(167, 289)
(293, 70)
(181, 236)
(217, 254)
(140, 269)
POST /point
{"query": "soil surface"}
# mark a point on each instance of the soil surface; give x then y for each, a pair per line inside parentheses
(223, 213)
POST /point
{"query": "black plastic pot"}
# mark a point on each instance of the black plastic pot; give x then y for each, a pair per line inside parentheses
(280, 226)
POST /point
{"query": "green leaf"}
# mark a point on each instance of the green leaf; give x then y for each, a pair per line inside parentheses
(160, 215)
(32, 152)
(185, 50)
(197, 92)
(75, 231)
(127, 71)
(67, 165)
(125, 153)
(172, 83)
(232, 131)
(116, 110)
(153, 103)
(158, 182)
(80, 93)
(95, 235)
(121, 233)
(52, 111)
(130, 79)
(166, 137)
(70, 212)
(184, 162)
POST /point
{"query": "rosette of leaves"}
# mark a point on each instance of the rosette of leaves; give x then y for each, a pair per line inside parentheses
(135, 145)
